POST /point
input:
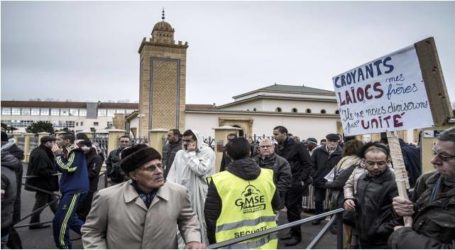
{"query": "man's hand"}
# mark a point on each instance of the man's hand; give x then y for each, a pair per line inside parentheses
(195, 245)
(56, 149)
(402, 206)
(191, 147)
(349, 204)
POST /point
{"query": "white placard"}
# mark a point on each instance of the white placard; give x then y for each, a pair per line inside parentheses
(386, 94)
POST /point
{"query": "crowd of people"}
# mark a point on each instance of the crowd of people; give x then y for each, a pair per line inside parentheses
(177, 200)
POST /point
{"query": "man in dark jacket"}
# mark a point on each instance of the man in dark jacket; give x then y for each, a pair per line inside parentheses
(412, 161)
(267, 158)
(298, 157)
(9, 145)
(113, 170)
(243, 171)
(42, 174)
(225, 159)
(174, 144)
(324, 158)
(375, 219)
(94, 163)
(433, 203)
(9, 191)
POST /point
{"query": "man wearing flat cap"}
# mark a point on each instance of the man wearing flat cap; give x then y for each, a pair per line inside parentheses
(142, 212)
(42, 174)
(324, 158)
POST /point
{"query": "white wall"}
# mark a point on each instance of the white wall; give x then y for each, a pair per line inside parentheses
(285, 105)
(203, 123)
(301, 126)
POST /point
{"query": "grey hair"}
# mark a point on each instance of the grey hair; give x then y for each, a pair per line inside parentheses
(447, 135)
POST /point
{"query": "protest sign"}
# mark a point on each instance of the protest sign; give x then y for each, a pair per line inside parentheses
(392, 93)
(386, 94)
(399, 91)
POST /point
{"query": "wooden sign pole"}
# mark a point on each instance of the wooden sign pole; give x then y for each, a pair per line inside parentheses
(401, 175)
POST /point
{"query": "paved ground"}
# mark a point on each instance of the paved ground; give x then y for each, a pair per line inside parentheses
(43, 239)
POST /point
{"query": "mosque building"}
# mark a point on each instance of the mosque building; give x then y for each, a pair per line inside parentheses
(304, 110)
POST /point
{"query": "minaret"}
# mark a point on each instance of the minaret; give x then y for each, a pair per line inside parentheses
(162, 80)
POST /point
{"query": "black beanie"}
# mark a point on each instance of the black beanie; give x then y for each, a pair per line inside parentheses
(136, 156)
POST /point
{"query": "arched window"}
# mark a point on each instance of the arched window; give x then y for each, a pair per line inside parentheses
(337, 112)
(278, 109)
(308, 111)
(254, 109)
(323, 111)
(294, 110)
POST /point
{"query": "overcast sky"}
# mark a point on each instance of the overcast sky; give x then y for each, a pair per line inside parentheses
(88, 51)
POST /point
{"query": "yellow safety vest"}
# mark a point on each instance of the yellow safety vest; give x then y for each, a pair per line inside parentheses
(246, 209)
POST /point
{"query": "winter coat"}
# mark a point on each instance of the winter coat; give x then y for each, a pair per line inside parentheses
(281, 171)
(433, 221)
(299, 159)
(374, 212)
(12, 149)
(9, 188)
(323, 162)
(190, 169)
(350, 187)
(169, 152)
(41, 171)
(120, 219)
(113, 169)
(342, 171)
(412, 161)
(94, 164)
(225, 160)
(246, 169)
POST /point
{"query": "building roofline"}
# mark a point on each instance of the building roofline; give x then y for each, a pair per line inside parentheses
(264, 113)
(275, 89)
(262, 97)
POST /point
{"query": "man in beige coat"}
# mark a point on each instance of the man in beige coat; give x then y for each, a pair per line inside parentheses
(143, 212)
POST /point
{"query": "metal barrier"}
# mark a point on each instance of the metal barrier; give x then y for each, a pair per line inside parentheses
(57, 198)
(289, 225)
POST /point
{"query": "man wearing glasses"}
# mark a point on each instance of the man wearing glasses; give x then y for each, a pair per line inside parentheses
(280, 166)
(143, 212)
(432, 205)
(375, 219)
(113, 170)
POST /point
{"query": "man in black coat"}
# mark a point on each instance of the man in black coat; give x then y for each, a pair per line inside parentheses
(9, 146)
(225, 159)
(267, 158)
(113, 170)
(324, 159)
(298, 157)
(94, 164)
(42, 174)
(432, 204)
(173, 145)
